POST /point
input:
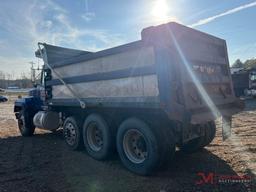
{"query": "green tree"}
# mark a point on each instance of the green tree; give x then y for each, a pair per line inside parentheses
(250, 63)
(238, 63)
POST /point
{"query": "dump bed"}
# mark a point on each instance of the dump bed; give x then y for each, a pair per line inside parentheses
(174, 68)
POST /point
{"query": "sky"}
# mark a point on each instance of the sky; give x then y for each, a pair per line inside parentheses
(94, 25)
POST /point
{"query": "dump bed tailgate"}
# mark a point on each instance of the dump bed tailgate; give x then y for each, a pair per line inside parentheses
(206, 65)
(205, 74)
(197, 70)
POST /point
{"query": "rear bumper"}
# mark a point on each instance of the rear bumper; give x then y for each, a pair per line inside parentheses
(202, 115)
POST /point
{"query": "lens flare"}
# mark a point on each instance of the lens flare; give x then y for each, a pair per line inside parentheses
(235, 141)
(160, 10)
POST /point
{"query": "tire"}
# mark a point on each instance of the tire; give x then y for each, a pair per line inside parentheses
(141, 155)
(72, 133)
(25, 124)
(98, 138)
(197, 144)
(209, 133)
(193, 145)
(167, 141)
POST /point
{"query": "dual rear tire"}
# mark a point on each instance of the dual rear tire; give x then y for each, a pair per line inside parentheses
(200, 142)
(94, 134)
(98, 137)
(141, 148)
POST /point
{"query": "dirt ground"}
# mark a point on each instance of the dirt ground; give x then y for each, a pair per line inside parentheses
(44, 163)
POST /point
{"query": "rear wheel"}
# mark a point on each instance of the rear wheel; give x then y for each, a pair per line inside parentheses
(210, 133)
(98, 137)
(72, 133)
(200, 142)
(141, 150)
(134, 145)
(25, 124)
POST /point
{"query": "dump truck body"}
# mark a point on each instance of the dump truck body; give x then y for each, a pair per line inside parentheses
(174, 68)
(143, 98)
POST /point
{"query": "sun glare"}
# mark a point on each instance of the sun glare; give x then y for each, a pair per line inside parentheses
(160, 10)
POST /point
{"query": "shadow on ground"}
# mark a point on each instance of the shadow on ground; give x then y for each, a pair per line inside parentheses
(44, 163)
(250, 104)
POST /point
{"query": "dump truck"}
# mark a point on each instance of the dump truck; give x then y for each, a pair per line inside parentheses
(244, 82)
(142, 100)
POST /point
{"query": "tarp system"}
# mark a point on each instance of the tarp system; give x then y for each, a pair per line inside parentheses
(56, 54)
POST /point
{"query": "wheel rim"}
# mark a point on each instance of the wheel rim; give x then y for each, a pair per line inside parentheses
(94, 137)
(70, 133)
(134, 145)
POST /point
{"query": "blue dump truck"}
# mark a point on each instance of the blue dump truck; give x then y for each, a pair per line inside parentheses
(142, 99)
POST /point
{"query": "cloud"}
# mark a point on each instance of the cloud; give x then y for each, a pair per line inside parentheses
(88, 16)
(82, 38)
(24, 23)
(15, 66)
(60, 30)
(228, 12)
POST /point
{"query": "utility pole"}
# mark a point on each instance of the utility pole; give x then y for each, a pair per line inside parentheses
(33, 71)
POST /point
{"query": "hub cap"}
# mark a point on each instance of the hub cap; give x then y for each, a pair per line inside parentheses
(70, 133)
(134, 146)
(94, 137)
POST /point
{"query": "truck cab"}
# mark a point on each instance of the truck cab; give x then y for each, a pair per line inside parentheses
(26, 107)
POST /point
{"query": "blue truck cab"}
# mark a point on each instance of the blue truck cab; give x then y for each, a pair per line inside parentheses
(25, 108)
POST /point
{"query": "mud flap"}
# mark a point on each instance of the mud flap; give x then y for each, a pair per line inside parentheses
(226, 127)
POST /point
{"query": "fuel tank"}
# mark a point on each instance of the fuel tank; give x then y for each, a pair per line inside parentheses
(47, 120)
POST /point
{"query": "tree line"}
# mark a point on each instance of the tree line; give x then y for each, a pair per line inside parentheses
(9, 80)
(248, 64)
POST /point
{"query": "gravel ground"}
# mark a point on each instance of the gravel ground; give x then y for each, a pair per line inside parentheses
(44, 163)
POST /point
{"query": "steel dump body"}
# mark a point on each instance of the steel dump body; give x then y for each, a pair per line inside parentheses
(173, 68)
